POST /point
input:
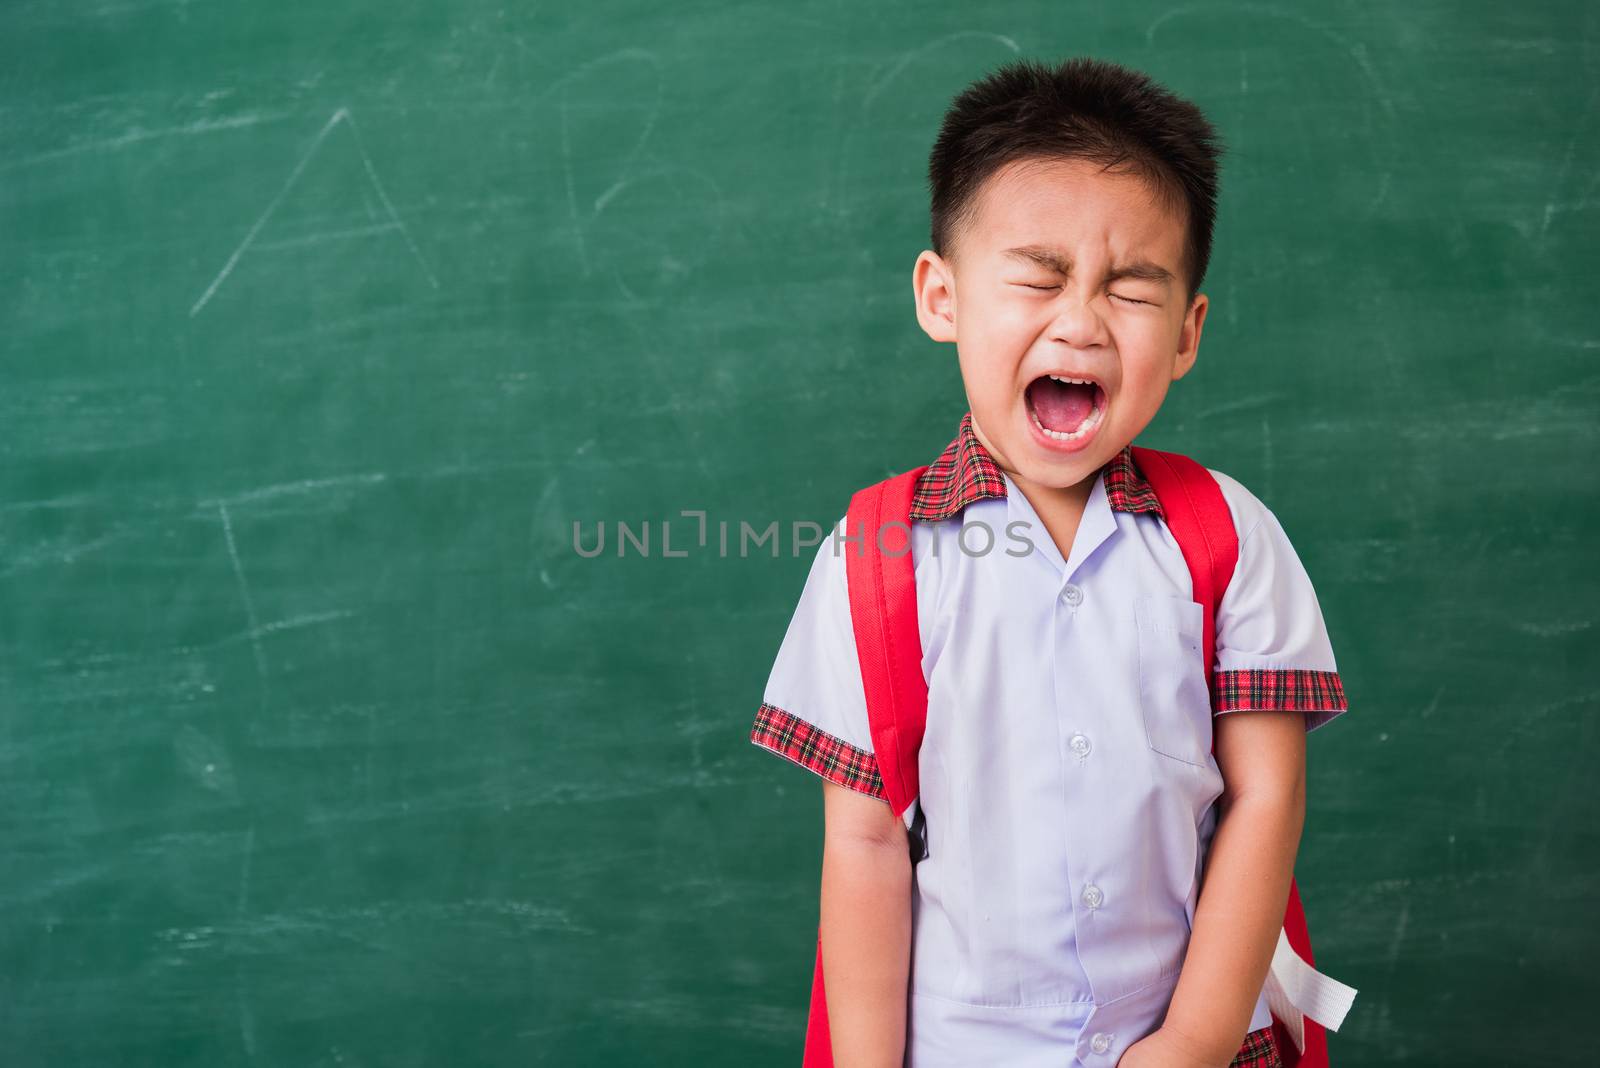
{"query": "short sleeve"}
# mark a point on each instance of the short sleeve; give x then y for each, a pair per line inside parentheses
(1273, 652)
(814, 709)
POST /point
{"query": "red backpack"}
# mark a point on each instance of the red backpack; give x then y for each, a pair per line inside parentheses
(883, 615)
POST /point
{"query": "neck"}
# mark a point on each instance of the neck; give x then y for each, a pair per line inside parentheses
(1059, 508)
(1055, 500)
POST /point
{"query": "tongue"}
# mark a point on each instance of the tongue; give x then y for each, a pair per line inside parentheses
(1061, 406)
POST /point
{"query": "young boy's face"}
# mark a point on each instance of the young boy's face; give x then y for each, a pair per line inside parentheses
(1032, 289)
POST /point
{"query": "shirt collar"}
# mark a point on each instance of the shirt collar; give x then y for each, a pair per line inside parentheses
(966, 472)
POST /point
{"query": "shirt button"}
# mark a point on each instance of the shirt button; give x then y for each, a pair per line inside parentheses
(1093, 899)
(1072, 594)
(1100, 1042)
(1080, 744)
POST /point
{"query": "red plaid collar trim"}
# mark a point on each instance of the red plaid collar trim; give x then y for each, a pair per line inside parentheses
(965, 472)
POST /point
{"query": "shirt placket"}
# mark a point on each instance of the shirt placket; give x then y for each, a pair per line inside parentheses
(1087, 773)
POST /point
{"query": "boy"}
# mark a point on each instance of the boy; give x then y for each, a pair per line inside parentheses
(1069, 794)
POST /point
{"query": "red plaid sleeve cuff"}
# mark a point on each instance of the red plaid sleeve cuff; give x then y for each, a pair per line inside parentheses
(1319, 694)
(811, 747)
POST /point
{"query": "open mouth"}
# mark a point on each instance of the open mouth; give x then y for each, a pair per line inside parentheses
(1065, 409)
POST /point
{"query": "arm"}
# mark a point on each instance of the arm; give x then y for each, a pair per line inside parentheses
(1244, 889)
(865, 928)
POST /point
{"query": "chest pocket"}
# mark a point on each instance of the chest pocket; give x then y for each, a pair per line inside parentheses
(1172, 684)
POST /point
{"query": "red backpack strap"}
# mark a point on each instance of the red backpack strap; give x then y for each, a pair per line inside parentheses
(1200, 521)
(819, 1040)
(881, 577)
(1202, 524)
(883, 611)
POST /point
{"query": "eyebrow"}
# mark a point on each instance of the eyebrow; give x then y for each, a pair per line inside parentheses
(1055, 260)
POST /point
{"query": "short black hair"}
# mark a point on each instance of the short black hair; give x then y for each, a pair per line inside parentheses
(1086, 109)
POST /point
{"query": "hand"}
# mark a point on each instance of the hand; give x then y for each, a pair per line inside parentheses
(1166, 1049)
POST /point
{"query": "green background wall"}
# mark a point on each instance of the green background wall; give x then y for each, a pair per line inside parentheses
(323, 323)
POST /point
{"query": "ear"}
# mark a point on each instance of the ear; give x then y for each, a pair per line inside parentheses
(1189, 336)
(933, 285)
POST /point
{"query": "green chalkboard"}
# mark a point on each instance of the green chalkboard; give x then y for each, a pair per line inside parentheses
(320, 744)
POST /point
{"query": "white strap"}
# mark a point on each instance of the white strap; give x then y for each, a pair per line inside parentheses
(1295, 990)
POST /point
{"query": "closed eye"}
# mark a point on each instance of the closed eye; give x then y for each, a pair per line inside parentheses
(1118, 296)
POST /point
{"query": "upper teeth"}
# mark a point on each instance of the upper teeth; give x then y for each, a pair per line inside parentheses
(1080, 381)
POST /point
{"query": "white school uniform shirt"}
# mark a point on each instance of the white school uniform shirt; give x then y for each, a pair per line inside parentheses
(1066, 775)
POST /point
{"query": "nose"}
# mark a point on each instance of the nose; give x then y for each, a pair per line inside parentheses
(1078, 321)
